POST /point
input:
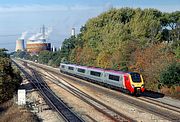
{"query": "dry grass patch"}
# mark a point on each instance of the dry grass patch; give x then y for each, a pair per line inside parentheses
(13, 113)
(173, 91)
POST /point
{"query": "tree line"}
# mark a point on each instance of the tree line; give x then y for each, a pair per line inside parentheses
(145, 41)
(140, 40)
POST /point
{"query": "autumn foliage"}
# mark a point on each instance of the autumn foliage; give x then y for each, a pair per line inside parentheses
(140, 40)
(151, 61)
(129, 40)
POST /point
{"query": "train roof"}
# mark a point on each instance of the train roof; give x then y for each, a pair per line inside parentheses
(78, 66)
(115, 71)
(71, 65)
(96, 69)
(119, 72)
(100, 69)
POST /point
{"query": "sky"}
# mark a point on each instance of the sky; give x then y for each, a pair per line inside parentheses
(17, 16)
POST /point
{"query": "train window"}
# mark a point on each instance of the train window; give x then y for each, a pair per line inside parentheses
(136, 77)
(114, 77)
(98, 74)
(81, 70)
(62, 66)
(71, 68)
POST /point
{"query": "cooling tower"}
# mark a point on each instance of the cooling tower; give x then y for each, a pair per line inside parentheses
(20, 44)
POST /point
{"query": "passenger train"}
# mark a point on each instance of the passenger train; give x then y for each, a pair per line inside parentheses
(129, 81)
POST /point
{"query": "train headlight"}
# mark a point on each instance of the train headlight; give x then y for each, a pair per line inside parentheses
(142, 85)
(132, 86)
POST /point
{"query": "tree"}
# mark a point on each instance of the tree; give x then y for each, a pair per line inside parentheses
(171, 76)
(150, 62)
(21, 54)
(177, 52)
(127, 39)
(67, 46)
(3, 53)
(44, 56)
(9, 79)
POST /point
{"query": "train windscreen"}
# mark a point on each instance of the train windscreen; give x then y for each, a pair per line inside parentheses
(136, 77)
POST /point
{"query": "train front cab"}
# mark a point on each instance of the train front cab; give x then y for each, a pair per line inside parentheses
(62, 67)
(134, 83)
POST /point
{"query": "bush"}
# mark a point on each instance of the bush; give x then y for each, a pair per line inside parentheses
(171, 76)
(151, 62)
(177, 52)
(10, 78)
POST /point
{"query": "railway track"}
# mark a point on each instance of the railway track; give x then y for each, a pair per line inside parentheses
(50, 97)
(101, 107)
(164, 110)
(172, 108)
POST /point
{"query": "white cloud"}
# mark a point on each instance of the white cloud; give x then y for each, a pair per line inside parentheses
(34, 8)
(106, 6)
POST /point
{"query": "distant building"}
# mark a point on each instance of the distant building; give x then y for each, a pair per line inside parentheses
(20, 45)
(73, 32)
(54, 49)
(37, 42)
(36, 47)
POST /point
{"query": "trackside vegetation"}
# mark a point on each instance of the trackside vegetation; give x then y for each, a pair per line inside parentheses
(10, 78)
(145, 41)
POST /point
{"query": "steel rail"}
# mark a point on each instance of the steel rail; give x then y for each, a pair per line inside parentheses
(63, 110)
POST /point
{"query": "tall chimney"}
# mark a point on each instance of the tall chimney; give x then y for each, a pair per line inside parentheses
(73, 32)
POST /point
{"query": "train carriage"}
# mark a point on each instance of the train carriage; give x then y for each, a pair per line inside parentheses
(63, 67)
(131, 81)
(71, 68)
(81, 71)
(95, 74)
(114, 78)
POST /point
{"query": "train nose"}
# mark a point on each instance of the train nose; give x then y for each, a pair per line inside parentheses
(137, 91)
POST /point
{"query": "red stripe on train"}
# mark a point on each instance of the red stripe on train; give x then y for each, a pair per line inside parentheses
(128, 84)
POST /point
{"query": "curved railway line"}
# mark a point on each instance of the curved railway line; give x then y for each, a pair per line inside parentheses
(101, 107)
(50, 97)
(164, 110)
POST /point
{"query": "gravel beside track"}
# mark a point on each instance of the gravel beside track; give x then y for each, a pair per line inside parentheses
(107, 110)
(146, 105)
(50, 97)
(159, 110)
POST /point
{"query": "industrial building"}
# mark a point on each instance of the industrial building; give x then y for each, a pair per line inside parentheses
(37, 42)
(36, 47)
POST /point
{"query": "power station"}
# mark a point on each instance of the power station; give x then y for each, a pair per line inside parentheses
(37, 42)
